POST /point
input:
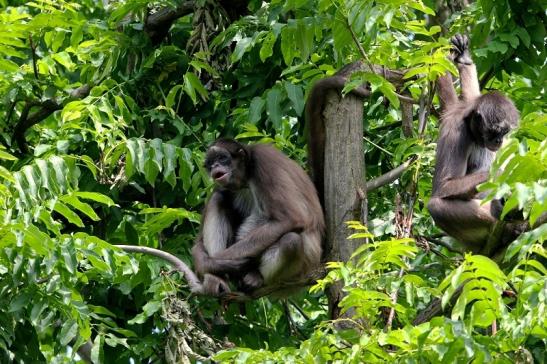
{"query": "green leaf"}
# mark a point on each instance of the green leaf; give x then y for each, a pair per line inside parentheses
(288, 46)
(68, 214)
(196, 85)
(170, 99)
(266, 50)
(80, 206)
(6, 156)
(68, 332)
(241, 47)
(296, 95)
(255, 109)
(340, 32)
(273, 106)
(305, 29)
(169, 163)
(189, 88)
(97, 353)
(19, 302)
(95, 196)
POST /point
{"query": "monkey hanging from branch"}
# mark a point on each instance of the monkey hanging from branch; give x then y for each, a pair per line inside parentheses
(472, 129)
(263, 224)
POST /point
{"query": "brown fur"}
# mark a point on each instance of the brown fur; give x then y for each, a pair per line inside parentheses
(470, 129)
(268, 221)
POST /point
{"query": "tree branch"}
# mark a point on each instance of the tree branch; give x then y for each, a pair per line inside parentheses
(390, 176)
(46, 108)
(278, 290)
(33, 51)
(157, 25)
(435, 308)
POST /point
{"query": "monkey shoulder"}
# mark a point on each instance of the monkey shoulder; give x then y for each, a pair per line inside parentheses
(283, 185)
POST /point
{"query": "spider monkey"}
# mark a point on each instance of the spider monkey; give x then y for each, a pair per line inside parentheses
(262, 225)
(471, 131)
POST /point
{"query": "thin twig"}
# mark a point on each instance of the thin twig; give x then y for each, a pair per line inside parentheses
(377, 146)
(394, 295)
(410, 100)
(34, 58)
(306, 317)
(359, 46)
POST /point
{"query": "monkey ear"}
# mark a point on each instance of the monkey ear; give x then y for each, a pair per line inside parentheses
(242, 153)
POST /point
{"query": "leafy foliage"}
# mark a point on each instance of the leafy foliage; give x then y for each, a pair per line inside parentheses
(105, 117)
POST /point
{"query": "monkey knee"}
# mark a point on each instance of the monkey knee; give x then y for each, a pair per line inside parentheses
(290, 244)
(283, 259)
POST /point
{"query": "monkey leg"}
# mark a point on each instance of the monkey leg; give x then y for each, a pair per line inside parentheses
(283, 259)
(468, 221)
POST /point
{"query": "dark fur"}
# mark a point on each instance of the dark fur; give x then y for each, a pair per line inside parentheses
(263, 224)
(315, 124)
(472, 129)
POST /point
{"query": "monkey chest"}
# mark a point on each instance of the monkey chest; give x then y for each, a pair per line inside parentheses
(479, 160)
(251, 215)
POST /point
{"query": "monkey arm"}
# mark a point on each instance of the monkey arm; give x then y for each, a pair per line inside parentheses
(204, 263)
(469, 81)
(446, 91)
(468, 72)
(463, 188)
(256, 241)
(200, 257)
(216, 233)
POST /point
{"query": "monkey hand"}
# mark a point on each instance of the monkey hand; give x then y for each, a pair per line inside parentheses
(214, 286)
(221, 266)
(460, 49)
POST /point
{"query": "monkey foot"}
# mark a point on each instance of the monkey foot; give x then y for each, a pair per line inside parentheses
(252, 281)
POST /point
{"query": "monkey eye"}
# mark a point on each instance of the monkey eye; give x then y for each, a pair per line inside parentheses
(223, 159)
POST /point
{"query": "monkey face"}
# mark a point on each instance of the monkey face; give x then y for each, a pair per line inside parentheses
(226, 170)
(493, 137)
(492, 140)
(494, 117)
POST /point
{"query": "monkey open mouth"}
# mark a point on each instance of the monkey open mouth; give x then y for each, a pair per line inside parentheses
(220, 176)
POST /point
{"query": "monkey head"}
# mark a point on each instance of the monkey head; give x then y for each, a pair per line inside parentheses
(493, 116)
(226, 162)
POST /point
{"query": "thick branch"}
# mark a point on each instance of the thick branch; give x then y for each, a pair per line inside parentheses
(390, 176)
(176, 263)
(157, 25)
(435, 308)
(45, 109)
(278, 290)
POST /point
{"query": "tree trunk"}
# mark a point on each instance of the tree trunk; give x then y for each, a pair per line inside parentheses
(344, 179)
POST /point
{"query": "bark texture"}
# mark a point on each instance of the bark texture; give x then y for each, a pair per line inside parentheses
(344, 182)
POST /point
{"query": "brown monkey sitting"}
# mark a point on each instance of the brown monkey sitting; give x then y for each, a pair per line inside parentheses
(263, 224)
(471, 131)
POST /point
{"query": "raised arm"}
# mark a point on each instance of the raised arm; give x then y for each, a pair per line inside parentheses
(468, 72)
(446, 92)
